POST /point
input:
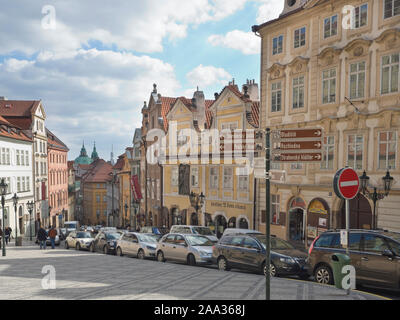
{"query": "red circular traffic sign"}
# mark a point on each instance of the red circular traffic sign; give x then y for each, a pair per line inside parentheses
(346, 183)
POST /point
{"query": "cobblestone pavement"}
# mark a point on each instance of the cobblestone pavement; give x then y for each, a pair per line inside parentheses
(85, 275)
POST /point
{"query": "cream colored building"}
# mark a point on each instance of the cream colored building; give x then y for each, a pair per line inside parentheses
(312, 65)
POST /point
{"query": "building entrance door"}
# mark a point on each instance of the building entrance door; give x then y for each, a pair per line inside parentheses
(296, 225)
(360, 213)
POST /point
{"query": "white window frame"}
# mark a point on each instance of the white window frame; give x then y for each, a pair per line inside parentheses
(279, 45)
(330, 26)
(357, 73)
(230, 186)
(355, 144)
(358, 21)
(214, 183)
(243, 187)
(301, 42)
(174, 176)
(299, 87)
(387, 143)
(331, 82)
(194, 173)
(325, 153)
(276, 88)
(391, 65)
(393, 6)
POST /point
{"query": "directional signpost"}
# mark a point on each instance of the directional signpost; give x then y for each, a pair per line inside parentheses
(297, 145)
(346, 185)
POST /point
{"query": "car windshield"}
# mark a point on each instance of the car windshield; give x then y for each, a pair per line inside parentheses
(276, 244)
(199, 241)
(113, 236)
(83, 235)
(147, 238)
(202, 231)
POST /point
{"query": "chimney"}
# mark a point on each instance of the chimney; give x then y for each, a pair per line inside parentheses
(199, 102)
(216, 95)
(252, 90)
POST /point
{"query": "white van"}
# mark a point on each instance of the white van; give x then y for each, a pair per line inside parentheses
(204, 231)
(71, 226)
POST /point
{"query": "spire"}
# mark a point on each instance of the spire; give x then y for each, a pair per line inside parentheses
(112, 155)
(95, 156)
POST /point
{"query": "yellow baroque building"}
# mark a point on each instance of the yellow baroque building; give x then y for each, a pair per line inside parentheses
(207, 168)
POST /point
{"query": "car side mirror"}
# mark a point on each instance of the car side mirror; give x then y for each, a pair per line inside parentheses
(387, 253)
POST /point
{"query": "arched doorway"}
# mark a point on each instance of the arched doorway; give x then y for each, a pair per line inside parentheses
(232, 222)
(243, 224)
(194, 219)
(297, 216)
(176, 217)
(318, 218)
(360, 213)
(208, 220)
(220, 225)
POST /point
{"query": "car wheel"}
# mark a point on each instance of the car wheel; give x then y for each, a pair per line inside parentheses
(78, 247)
(105, 250)
(91, 247)
(191, 260)
(140, 254)
(160, 256)
(323, 274)
(223, 264)
(272, 270)
(119, 252)
(66, 245)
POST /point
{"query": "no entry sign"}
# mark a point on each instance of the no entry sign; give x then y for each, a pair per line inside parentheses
(346, 184)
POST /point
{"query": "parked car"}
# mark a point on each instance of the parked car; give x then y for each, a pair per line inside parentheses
(71, 226)
(140, 245)
(105, 242)
(190, 248)
(239, 231)
(204, 231)
(247, 251)
(79, 240)
(375, 254)
(155, 230)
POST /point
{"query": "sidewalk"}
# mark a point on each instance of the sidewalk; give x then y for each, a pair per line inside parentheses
(84, 275)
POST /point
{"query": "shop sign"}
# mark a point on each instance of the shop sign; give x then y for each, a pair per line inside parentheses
(228, 205)
(317, 207)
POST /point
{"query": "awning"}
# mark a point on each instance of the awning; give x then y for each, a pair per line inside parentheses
(137, 194)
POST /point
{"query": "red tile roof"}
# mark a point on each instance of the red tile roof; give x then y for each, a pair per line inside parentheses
(9, 130)
(166, 103)
(120, 163)
(54, 142)
(100, 171)
(18, 108)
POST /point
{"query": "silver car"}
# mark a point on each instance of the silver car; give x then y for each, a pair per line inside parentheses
(200, 230)
(190, 248)
(140, 245)
(79, 240)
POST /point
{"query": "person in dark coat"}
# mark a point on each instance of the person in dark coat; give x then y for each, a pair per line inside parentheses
(8, 234)
(42, 237)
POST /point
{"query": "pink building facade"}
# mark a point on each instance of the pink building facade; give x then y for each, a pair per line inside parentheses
(58, 179)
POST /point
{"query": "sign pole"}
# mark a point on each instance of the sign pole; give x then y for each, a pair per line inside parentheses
(268, 213)
(348, 232)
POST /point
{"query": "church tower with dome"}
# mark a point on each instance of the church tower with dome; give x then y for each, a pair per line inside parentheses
(83, 157)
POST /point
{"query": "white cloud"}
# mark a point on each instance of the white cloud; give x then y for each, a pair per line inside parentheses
(246, 42)
(269, 10)
(205, 76)
(129, 25)
(89, 94)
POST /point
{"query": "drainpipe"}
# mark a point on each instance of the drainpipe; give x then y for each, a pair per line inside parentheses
(254, 202)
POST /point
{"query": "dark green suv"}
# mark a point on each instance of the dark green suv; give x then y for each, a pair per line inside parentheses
(374, 254)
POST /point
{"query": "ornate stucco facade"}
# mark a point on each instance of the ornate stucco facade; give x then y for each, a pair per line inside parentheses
(317, 72)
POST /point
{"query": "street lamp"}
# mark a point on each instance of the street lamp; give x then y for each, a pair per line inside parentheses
(126, 213)
(376, 196)
(15, 201)
(30, 209)
(197, 202)
(50, 214)
(3, 190)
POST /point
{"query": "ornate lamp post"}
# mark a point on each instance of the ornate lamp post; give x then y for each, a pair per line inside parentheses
(3, 190)
(30, 209)
(376, 196)
(15, 201)
(126, 213)
(197, 202)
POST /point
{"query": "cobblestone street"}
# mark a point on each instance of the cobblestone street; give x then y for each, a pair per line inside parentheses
(84, 275)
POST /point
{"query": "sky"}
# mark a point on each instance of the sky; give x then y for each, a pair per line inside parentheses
(93, 63)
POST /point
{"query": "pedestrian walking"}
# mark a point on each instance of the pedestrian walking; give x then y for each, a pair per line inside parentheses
(8, 234)
(52, 236)
(42, 237)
